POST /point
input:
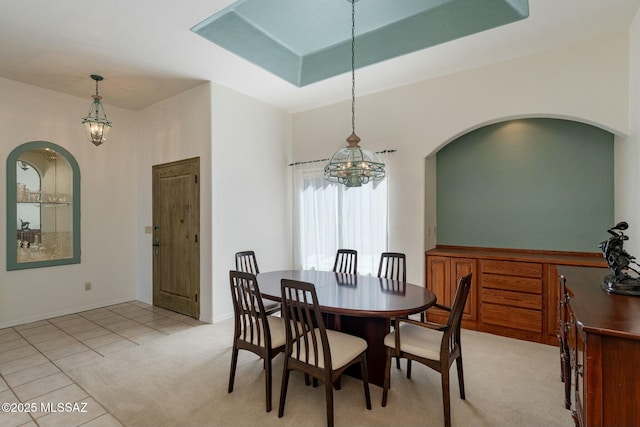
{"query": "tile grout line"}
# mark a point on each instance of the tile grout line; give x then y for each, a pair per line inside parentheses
(53, 362)
(29, 343)
(68, 334)
(10, 388)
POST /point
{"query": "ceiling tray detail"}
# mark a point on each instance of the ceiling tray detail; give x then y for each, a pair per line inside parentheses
(305, 41)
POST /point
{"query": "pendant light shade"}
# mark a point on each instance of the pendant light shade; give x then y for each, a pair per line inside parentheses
(96, 124)
(353, 166)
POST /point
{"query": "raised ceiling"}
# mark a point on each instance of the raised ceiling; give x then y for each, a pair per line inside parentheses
(146, 51)
(304, 42)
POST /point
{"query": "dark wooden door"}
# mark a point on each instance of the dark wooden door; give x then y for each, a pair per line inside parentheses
(176, 247)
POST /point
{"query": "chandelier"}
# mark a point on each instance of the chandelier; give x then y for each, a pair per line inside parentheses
(96, 128)
(352, 165)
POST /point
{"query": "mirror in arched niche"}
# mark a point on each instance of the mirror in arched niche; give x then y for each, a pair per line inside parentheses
(43, 206)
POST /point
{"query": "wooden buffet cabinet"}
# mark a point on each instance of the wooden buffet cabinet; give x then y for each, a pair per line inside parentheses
(603, 341)
(513, 293)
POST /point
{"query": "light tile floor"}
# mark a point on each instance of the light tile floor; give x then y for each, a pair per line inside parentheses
(35, 356)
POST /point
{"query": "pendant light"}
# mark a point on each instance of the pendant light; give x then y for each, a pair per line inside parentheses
(354, 166)
(50, 155)
(96, 128)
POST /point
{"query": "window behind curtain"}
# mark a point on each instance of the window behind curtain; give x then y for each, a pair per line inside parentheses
(330, 216)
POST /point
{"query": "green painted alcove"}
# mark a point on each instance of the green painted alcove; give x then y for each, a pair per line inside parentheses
(544, 184)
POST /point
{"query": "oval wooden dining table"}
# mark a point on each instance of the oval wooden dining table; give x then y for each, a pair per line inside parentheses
(358, 305)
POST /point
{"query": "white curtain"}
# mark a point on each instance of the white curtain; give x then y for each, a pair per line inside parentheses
(330, 216)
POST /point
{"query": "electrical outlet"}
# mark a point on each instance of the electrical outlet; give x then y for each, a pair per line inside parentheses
(87, 286)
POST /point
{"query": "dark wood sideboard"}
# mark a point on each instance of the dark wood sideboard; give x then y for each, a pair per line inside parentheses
(514, 292)
(603, 337)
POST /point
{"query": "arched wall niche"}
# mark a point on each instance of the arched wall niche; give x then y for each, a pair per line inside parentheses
(495, 120)
(522, 182)
(43, 218)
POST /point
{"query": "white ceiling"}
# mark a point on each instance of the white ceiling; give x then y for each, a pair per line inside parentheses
(147, 53)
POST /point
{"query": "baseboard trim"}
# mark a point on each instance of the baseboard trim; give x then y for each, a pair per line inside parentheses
(64, 312)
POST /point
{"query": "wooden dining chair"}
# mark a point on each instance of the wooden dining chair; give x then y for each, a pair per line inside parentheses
(312, 349)
(563, 327)
(346, 261)
(393, 266)
(246, 262)
(434, 345)
(254, 331)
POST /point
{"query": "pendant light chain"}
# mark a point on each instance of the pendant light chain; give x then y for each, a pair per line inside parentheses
(353, 66)
(354, 166)
(96, 100)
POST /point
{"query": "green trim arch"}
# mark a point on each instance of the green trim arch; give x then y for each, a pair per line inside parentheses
(73, 256)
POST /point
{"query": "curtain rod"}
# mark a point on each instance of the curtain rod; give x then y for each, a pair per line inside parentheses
(326, 160)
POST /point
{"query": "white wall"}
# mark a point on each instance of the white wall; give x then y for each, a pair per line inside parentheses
(108, 192)
(587, 82)
(251, 202)
(251, 184)
(627, 150)
(244, 146)
(176, 128)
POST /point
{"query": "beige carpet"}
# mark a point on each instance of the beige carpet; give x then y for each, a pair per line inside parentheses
(181, 380)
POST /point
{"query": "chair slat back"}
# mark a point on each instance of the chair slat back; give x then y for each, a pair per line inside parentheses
(455, 317)
(246, 262)
(393, 265)
(307, 337)
(250, 319)
(346, 261)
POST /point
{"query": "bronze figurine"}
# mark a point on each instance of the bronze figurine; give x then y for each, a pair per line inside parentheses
(619, 261)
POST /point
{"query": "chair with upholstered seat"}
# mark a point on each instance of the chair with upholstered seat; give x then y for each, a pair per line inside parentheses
(254, 331)
(246, 262)
(314, 350)
(346, 261)
(434, 345)
(393, 266)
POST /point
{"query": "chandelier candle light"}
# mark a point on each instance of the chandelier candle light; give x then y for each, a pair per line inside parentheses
(95, 127)
(354, 166)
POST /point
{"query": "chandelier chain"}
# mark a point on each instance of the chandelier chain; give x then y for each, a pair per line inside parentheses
(353, 66)
(354, 166)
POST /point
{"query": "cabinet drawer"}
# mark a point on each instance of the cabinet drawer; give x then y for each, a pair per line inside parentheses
(514, 299)
(512, 317)
(512, 268)
(512, 283)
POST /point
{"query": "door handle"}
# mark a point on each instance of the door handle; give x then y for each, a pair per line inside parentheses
(156, 243)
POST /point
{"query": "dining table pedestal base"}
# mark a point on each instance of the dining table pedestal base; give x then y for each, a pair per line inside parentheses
(373, 330)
